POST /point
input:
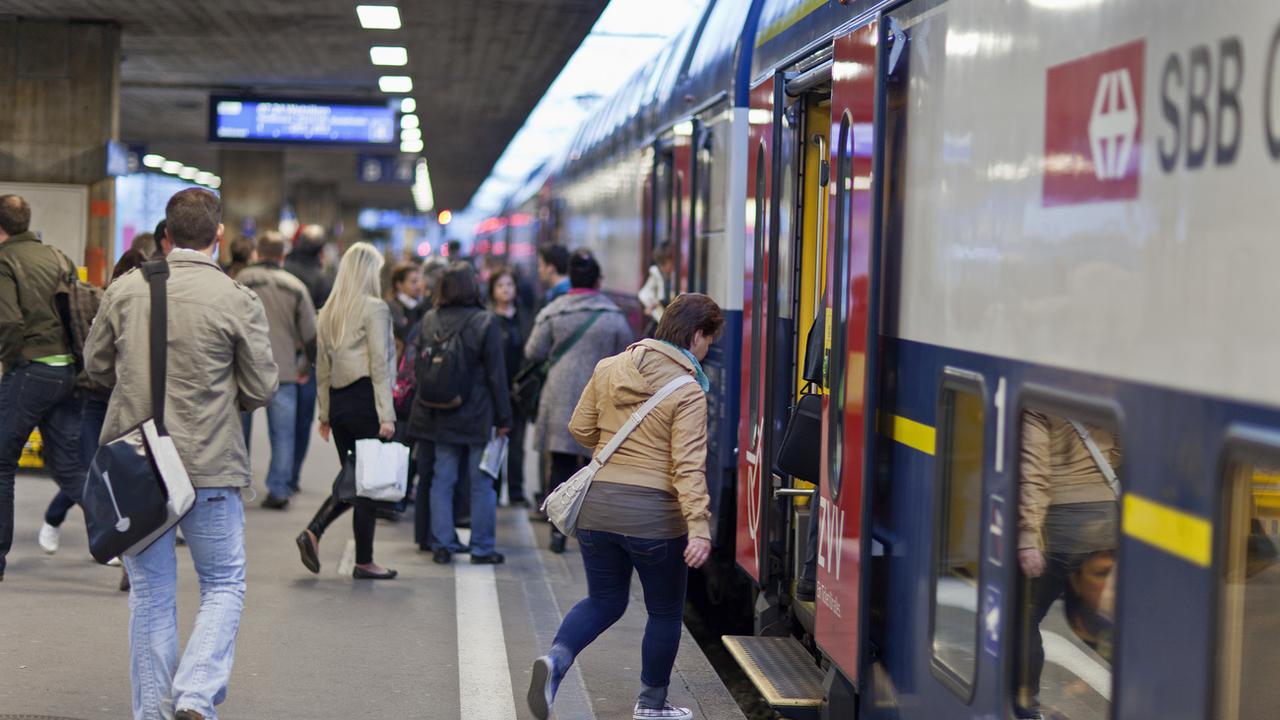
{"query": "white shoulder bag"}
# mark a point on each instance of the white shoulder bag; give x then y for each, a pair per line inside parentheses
(564, 504)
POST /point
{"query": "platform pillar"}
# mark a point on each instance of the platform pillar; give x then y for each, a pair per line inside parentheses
(252, 191)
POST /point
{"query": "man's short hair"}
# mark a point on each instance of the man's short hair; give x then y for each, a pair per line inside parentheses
(15, 214)
(242, 249)
(272, 245)
(584, 271)
(687, 314)
(557, 256)
(192, 218)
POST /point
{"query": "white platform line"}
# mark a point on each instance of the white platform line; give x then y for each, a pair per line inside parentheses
(348, 561)
(484, 675)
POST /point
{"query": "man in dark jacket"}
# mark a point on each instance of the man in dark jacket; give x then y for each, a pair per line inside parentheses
(305, 263)
(40, 372)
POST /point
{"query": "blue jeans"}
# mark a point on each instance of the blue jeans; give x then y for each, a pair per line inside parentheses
(282, 423)
(304, 418)
(34, 395)
(93, 415)
(609, 558)
(452, 461)
(214, 530)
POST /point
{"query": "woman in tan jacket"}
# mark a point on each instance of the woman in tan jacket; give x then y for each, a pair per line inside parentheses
(648, 508)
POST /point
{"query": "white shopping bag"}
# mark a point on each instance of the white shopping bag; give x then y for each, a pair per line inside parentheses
(382, 470)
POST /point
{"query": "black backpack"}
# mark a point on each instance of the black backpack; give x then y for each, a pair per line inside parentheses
(442, 368)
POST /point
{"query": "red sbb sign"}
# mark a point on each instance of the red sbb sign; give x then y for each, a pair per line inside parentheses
(1093, 127)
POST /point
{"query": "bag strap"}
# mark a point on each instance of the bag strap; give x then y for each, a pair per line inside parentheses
(636, 417)
(157, 274)
(1098, 459)
(573, 339)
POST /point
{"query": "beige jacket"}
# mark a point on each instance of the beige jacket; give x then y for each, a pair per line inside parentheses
(1057, 469)
(668, 450)
(367, 351)
(290, 316)
(219, 363)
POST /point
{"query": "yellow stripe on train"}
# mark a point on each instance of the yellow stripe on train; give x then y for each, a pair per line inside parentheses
(914, 435)
(1174, 531)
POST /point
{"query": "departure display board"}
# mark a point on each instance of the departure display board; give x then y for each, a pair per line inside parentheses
(284, 120)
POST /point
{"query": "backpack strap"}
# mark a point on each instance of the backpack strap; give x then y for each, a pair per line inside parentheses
(1098, 459)
(157, 274)
(573, 339)
(636, 417)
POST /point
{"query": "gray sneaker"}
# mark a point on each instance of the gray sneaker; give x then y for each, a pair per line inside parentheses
(666, 712)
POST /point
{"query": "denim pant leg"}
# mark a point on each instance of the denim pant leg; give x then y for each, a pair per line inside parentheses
(663, 575)
(608, 569)
(484, 505)
(306, 415)
(282, 423)
(215, 534)
(153, 627)
(449, 466)
(60, 433)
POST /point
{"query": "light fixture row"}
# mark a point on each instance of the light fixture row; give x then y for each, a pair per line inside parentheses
(186, 172)
(387, 17)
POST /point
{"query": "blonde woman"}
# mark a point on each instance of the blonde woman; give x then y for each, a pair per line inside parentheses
(354, 362)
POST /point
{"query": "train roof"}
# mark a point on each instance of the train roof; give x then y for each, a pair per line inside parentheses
(721, 57)
(787, 27)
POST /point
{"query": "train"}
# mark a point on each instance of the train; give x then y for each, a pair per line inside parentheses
(967, 230)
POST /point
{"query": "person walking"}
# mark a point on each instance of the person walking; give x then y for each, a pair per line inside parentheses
(291, 319)
(648, 508)
(580, 328)
(553, 271)
(223, 358)
(354, 369)
(38, 386)
(306, 262)
(462, 400)
(515, 325)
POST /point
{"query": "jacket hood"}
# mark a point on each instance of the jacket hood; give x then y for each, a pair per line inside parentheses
(585, 302)
(639, 372)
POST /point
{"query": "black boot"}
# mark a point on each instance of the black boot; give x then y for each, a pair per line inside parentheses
(557, 541)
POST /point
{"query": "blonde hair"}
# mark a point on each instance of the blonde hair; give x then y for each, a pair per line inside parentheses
(359, 277)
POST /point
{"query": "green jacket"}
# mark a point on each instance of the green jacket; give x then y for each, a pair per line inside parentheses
(29, 323)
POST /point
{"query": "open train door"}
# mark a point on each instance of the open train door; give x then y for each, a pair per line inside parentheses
(849, 371)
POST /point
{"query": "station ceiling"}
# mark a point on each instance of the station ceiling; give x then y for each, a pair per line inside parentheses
(478, 68)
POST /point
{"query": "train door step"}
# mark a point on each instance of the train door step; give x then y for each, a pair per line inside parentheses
(782, 670)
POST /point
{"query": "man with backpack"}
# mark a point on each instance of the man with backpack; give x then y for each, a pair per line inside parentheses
(40, 360)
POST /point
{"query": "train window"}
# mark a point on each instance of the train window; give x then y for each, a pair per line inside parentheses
(1249, 559)
(834, 377)
(1069, 484)
(958, 527)
(701, 216)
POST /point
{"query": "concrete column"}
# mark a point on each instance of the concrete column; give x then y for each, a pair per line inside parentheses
(252, 191)
(317, 203)
(349, 216)
(60, 91)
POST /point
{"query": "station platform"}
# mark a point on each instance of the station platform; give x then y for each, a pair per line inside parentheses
(437, 643)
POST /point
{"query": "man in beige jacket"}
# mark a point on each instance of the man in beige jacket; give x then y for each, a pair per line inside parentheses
(219, 363)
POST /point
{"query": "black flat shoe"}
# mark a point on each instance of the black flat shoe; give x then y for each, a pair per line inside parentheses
(308, 551)
(495, 558)
(271, 502)
(442, 556)
(362, 574)
(557, 542)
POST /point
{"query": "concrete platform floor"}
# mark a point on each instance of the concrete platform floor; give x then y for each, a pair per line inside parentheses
(438, 643)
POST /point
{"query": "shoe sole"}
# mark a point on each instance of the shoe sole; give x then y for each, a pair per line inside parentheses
(540, 688)
(686, 716)
(303, 551)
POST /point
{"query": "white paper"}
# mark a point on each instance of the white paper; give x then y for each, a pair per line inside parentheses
(494, 459)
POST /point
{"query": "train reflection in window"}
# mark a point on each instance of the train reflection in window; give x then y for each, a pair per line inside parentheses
(958, 524)
(1069, 485)
(1250, 588)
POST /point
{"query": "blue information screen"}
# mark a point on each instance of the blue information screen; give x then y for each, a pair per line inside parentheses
(300, 121)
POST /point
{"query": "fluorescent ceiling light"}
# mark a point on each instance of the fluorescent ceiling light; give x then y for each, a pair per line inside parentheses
(411, 146)
(410, 134)
(378, 17)
(153, 160)
(173, 167)
(216, 182)
(409, 121)
(203, 177)
(408, 105)
(388, 55)
(395, 83)
(188, 172)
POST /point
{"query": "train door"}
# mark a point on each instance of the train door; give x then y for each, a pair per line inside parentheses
(673, 175)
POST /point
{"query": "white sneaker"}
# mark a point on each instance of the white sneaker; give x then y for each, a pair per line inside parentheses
(49, 537)
(114, 562)
(666, 712)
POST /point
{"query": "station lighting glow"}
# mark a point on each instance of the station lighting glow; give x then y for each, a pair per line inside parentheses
(424, 248)
(683, 129)
(445, 217)
(423, 197)
(395, 83)
(378, 17)
(173, 167)
(203, 177)
(188, 172)
(388, 55)
(411, 146)
(410, 121)
(215, 183)
(408, 105)
(152, 160)
(410, 135)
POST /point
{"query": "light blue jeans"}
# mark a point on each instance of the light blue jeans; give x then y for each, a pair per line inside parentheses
(282, 423)
(214, 530)
(451, 462)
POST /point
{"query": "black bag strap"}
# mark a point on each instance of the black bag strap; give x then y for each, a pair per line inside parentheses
(157, 274)
(573, 339)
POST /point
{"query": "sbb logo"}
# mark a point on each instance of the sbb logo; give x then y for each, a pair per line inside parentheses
(1093, 127)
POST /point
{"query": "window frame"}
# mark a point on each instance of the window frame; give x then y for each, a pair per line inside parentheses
(837, 315)
(957, 380)
(755, 393)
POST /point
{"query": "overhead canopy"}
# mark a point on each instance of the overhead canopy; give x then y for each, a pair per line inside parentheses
(478, 69)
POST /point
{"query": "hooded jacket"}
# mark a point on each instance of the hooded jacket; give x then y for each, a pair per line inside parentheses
(668, 450)
(488, 404)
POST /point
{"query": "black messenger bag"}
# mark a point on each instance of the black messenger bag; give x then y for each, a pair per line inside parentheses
(801, 452)
(137, 488)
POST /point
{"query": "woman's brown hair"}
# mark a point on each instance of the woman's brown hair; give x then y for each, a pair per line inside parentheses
(459, 286)
(687, 314)
(498, 273)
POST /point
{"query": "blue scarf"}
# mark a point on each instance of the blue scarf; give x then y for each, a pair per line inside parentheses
(703, 382)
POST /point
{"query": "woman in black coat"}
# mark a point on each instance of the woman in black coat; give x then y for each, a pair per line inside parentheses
(515, 324)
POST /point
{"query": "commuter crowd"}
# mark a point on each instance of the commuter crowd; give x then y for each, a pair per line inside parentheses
(445, 364)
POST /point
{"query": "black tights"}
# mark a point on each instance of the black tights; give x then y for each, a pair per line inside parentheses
(352, 416)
